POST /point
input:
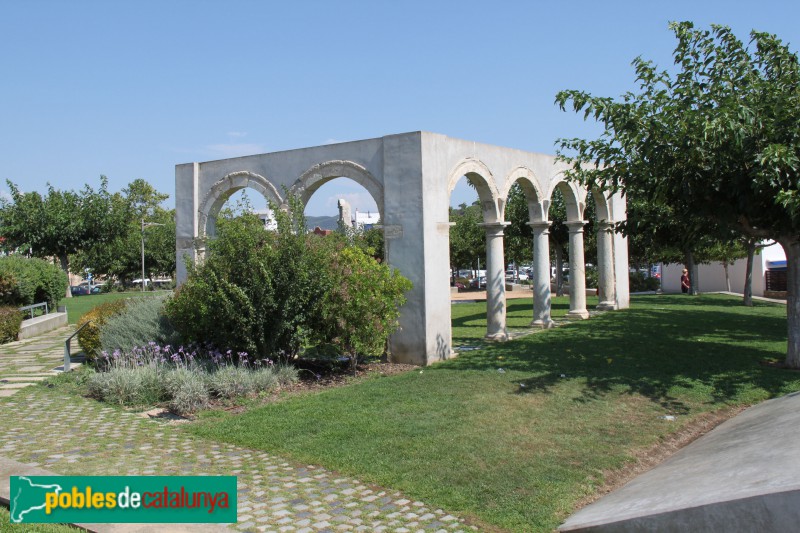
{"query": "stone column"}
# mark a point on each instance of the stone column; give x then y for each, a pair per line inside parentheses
(495, 282)
(541, 274)
(605, 268)
(577, 272)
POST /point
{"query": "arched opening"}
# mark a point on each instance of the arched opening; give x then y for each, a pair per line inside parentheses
(475, 245)
(566, 238)
(343, 205)
(236, 192)
(524, 213)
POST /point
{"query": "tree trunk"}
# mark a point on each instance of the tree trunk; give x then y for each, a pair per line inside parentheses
(748, 273)
(559, 269)
(692, 268)
(792, 249)
(727, 276)
(64, 260)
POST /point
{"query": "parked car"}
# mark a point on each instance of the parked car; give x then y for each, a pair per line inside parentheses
(79, 290)
(478, 283)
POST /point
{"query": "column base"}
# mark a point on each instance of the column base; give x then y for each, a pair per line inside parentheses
(582, 314)
(606, 306)
(544, 324)
(500, 336)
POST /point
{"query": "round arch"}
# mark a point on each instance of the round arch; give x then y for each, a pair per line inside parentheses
(573, 199)
(483, 180)
(530, 187)
(219, 193)
(601, 205)
(316, 176)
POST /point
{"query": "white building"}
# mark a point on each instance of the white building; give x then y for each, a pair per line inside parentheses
(711, 277)
(268, 218)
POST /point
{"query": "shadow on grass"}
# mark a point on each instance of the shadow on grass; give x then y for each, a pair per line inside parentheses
(661, 345)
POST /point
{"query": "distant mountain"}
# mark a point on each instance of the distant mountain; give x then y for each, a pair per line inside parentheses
(329, 222)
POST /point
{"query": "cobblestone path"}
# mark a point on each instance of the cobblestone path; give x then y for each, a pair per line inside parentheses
(28, 361)
(71, 435)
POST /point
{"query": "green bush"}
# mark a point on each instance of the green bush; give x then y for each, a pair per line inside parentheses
(187, 391)
(35, 281)
(592, 278)
(89, 336)
(10, 322)
(231, 381)
(140, 322)
(128, 386)
(269, 293)
(641, 283)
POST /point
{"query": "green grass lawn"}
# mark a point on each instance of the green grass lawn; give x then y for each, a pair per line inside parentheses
(517, 449)
(78, 305)
(6, 525)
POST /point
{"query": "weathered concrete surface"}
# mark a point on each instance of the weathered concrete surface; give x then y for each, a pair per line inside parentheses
(743, 476)
(42, 324)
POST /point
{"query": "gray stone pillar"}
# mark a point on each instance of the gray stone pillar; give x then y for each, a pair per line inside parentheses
(541, 274)
(605, 268)
(495, 282)
(577, 272)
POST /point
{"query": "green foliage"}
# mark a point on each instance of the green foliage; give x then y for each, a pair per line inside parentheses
(467, 238)
(187, 391)
(638, 282)
(140, 322)
(60, 223)
(28, 281)
(128, 386)
(361, 308)
(716, 141)
(10, 322)
(89, 336)
(120, 257)
(262, 292)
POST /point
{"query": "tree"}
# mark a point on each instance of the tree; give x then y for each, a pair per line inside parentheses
(718, 139)
(518, 235)
(60, 223)
(467, 238)
(121, 257)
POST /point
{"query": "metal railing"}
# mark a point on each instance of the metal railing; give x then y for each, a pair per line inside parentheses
(67, 354)
(34, 306)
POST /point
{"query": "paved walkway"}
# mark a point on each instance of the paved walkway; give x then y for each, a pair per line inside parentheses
(25, 362)
(71, 435)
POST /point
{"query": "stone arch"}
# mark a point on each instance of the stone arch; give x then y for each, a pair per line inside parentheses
(602, 207)
(319, 174)
(572, 197)
(483, 180)
(219, 193)
(530, 187)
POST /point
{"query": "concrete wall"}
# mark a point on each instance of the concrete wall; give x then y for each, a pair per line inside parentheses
(711, 277)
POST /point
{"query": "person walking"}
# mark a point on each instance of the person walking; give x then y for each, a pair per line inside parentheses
(685, 283)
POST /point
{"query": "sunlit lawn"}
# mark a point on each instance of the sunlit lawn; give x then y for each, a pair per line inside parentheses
(517, 449)
(78, 305)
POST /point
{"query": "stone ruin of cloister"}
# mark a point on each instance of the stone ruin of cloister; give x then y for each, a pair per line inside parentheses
(411, 177)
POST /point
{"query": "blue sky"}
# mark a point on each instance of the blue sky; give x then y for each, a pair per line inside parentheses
(130, 89)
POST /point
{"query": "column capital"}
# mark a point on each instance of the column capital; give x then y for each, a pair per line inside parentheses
(542, 225)
(605, 225)
(576, 226)
(494, 228)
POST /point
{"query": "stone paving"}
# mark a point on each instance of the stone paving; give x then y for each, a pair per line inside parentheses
(71, 435)
(28, 361)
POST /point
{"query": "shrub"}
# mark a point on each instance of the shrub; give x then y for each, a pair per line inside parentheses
(592, 278)
(264, 379)
(10, 322)
(140, 322)
(257, 292)
(360, 310)
(128, 386)
(286, 374)
(187, 391)
(231, 381)
(35, 281)
(640, 283)
(271, 293)
(89, 337)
